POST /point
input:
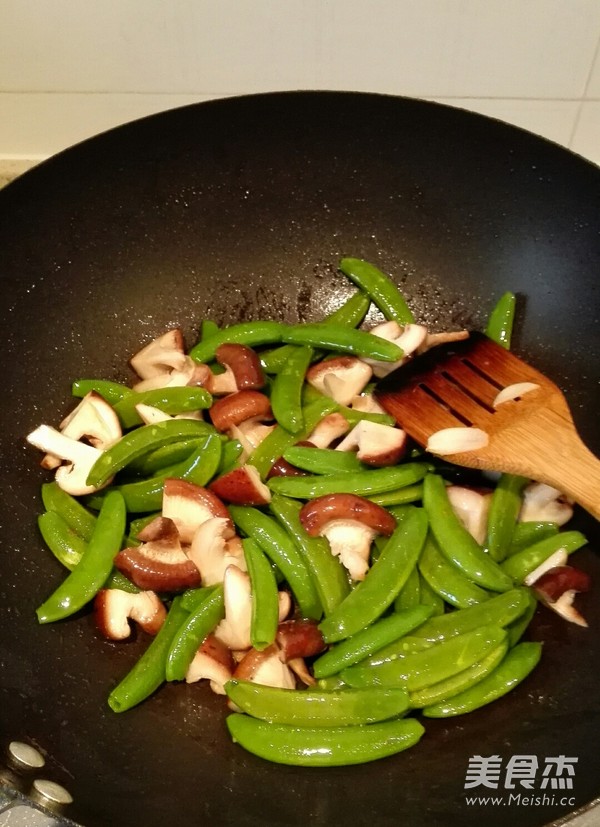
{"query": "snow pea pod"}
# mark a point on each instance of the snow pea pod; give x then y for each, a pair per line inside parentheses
(322, 460)
(363, 483)
(517, 628)
(379, 287)
(432, 665)
(500, 324)
(516, 666)
(410, 593)
(281, 550)
(524, 562)
(438, 692)
(328, 574)
(342, 340)
(112, 392)
(314, 708)
(168, 400)
(369, 640)
(502, 519)
(155, 461)
(526, 534)
(140, 441)
(95, 565)
(447, 580)
(265, 596)
(286, 391)
(323, 746)
(192, 631)
(400, 496)
(455, 542)
(430, 598)
(76, 516)
(372, 596)
(499, 610)
(272, 447)
(208, 328)
(149, 672)
(245, 333)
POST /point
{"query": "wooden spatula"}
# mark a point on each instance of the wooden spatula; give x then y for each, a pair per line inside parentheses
(455, 385)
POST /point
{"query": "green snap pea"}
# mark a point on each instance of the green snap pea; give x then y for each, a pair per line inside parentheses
(437, 663)
(323, 746)
(315, 708)
(455, 542)
(500, 324)
(400, 496)
(458, 683)
(447, 580)
(155, 461)
(500, 610)
(230, 455)
(372, 596)
(368, 641)
(281, 550)
(272, 447)
(191, 599)
(140, 441)
(511, 671)
(286, 391)
(526, 534)
(363, 483)
(350, 314)
(208, 328)
(343, 340)
(332, 684)
(149, 672)
(517, 628)
(322, 460)
(112, 392)
(76, 516)
(192, 631)
(245, 333)
(401, 648)
(409, 595)
(379, 287)
(524, 562)
(168, 400)
(353, 417)
(265, 596)
(94, 567)
(430, 598)
(504, 510)
(328, 574)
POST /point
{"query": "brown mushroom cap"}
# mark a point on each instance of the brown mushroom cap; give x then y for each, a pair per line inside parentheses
(237, 407)
(316, 513)
(266, 668)
(244, 365)
(190, 505)
(212, 550)
(242, 486)
(114, 607)
(299, 639)
(213, 662)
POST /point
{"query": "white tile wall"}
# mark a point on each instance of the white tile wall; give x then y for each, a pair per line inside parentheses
(70, 69)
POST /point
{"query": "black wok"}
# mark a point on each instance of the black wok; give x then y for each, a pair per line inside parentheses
(240, 209)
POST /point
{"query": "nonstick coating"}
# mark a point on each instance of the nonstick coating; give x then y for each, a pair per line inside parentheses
(240, 209)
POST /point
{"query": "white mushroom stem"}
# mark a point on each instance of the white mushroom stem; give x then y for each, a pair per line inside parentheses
(559, 558)
(266, 668)
(457, 440)
(377, 444)
(472, 509)
(409, 338)
(366, 403)
(159, 356)
(211, 552)
(542, 503)
(435, 339)
(330, 428)
(351, 541)
(213, 662)
(189, 506)
(222, 383)
(79, 456)
(250, 433)
(151, 415)
(234, 629)
(113, 608)
(341, 378)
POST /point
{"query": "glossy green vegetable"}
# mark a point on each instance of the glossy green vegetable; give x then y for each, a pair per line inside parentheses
(286, 390)
(323, 746)
(95, 565)
(526, 534)
(155, 461)
(208, 328)
(379, 287)
(410, 593)
(500, 324)
(447, 580)
(314, 708)
(148, 672)
(328, 574)
(502, 519)
(232, 450)
(265, 596)
(76, 516)
(362, 483)
(524, 562)
(515, 667)
(400, 496)
(140, 441)
(343, 340)
(442, 691)
(455, 542)
(517, 628)
(372, 596)
(322, 460)
(430, 598)
(370, 640)
(169, 400)
(245, 333)
(282, 551)
(192, 631)
(437, 663)
(112, 392)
